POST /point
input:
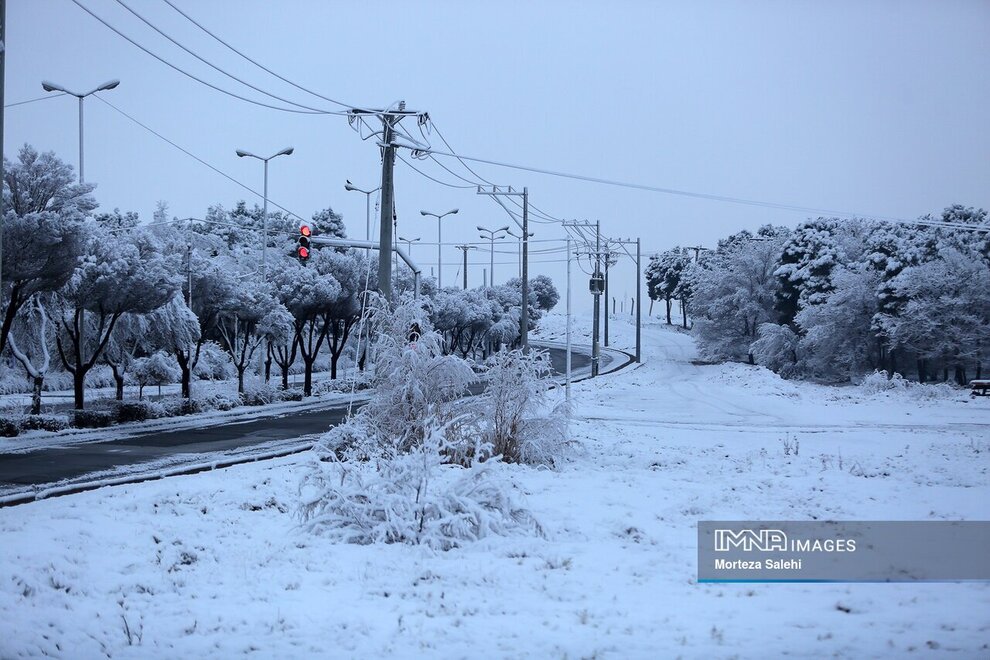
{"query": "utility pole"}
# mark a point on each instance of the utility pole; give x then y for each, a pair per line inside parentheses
(595, 348)
(568, 355)
(389, 119)
(388, 200)
(524, 312)
(639, 300)
(607, 259)
(465, 249)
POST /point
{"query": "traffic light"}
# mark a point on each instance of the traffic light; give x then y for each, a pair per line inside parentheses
(303, 250)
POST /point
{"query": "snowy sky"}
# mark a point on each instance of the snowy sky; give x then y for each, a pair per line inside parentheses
(869, 107)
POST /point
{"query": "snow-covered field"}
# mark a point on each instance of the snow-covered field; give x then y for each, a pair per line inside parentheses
(214, 565)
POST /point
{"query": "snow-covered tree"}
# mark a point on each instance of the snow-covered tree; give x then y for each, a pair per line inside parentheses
(30, 342)
(734, 294)
(544, 292)
(175, 328)
(663, 275)
(119, 274)
(239, 320)
(44, 234)
(156, 369)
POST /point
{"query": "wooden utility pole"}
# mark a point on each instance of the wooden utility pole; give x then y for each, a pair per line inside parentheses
(3, 60)
(465, 249)
(387, 208)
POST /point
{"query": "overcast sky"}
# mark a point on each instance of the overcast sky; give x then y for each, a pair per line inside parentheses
(868, 107)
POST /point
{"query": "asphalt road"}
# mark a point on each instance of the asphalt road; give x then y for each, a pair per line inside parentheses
(50, 465)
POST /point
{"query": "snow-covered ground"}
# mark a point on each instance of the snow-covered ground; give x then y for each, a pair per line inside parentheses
(216, 565)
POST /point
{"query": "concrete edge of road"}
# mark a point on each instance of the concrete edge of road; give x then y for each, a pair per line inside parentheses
(219, 462)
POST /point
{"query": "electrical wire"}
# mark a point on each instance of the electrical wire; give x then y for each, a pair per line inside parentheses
(186, 73)
(262, 66)
(416, 169)
(197, 158)
(40, 98)
(215, 67)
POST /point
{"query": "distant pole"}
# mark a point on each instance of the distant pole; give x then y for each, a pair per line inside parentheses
(639, 305)
(264, 229)
(607, 255)
(524, 313)
(465, 249)
(595, 348)
(568, 386)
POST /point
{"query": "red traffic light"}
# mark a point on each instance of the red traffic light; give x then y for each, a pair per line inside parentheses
(303, 252)
(305, 230)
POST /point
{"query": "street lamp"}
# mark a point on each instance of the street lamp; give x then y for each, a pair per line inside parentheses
(264, 248)
(439, 243)
(491, 237)
(519, 236)
(409, 242)
(52, 87)
(348, 186)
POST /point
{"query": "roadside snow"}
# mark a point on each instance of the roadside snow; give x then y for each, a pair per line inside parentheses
(216, 565)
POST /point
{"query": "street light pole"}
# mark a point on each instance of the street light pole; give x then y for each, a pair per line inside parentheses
(264, 247)
(409, 242)
(439, 243)
(52, 87)
(491, 238)
(367, 209)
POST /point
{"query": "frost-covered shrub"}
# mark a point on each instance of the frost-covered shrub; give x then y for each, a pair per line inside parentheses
(93, 419)
(52, 423)
(214, 363)
(356, 382)
(516, 416)
(216, 399)
(413, 497)
(156, 369)
(410, 467)
(139, 411)
(776, 348)
(260, 393)
(8, 428)
(881, 381)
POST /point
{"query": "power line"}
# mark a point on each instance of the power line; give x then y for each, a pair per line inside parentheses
(258, 64)
(195, 157)
(668, 191)
(421, 172)
(189, 75)
(40, 98)
(215, 67)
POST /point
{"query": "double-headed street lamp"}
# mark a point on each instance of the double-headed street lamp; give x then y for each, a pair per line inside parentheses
(348, 186)
(439, 243)
(491, 236)
(409, 242)
(264, 249)
(52, 87)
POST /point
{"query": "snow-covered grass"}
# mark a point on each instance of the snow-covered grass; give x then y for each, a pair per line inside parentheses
(218, 565)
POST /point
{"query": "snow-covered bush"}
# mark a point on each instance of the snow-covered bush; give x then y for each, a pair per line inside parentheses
(881, 381)
(413, 497)
(259, 393)
(776, 348)
(157, 369)
(138, 411)
(51, 423)
(410, 466)
(216, 398)
(515, 413)
(214, 363)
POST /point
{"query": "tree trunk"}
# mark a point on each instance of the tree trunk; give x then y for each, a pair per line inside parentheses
(186, 377)
(668, 311)
(79, 388)
(240, 379)
(285, 377)
(119, 381)
(684, 315)
(921, 370)
(307, 377)
(39, 382)
(333, 365)
(140, 392)
(268, 363)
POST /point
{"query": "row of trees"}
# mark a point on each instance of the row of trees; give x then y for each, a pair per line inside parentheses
(835, 298)
(104, 289)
